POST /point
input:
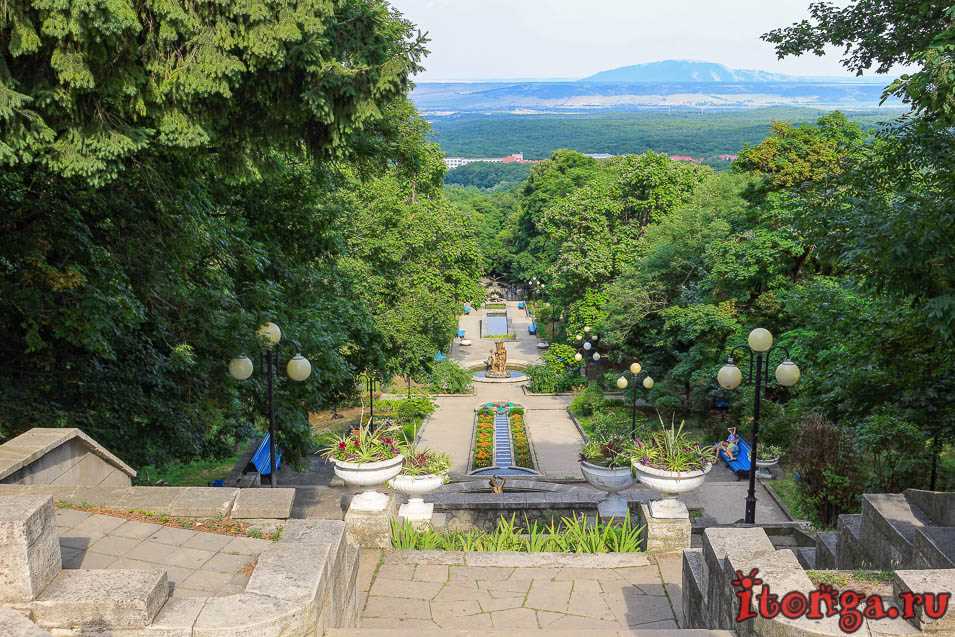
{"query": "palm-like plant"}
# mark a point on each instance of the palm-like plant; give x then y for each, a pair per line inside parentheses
(671, 449)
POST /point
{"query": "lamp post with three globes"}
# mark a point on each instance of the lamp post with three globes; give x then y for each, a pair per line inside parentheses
(622, 382)
(587, 350)
(760, 345)
(298, 369)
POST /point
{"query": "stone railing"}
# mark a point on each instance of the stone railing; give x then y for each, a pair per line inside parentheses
(710, 601)
(301, 585)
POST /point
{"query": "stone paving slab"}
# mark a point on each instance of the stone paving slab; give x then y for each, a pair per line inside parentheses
(415, 590)
(197, 564)
(263, 503)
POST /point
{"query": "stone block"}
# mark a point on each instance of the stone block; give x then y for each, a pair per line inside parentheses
(177, 617)
(692, 590)
(371, 529)
(251, 615)
(29, 547)
(13, 624)
(263, 503)
(939, 505)
(665, 535)
(827, 547)
(928, 581)
(107, 599)
(934, 547)
(851, 553)
(719, 544)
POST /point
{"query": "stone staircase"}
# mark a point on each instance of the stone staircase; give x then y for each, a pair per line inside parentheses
(914, 529)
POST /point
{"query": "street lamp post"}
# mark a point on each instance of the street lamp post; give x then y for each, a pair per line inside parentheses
(622, 382)
(298, 369)
(587, 350)
(760, 345)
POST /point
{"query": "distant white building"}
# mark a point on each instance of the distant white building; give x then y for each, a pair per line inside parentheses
(598, 155)
(457, 162)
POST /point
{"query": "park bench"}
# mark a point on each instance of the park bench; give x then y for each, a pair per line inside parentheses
(521, 305)
(742, 463)
(467, 309)
(532, 328)
(440, 356)
(460, 333)
(260, 459)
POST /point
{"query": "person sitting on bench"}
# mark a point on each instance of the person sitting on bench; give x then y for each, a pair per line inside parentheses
(729, 446)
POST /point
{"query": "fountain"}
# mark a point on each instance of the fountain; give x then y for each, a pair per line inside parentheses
(497, 362)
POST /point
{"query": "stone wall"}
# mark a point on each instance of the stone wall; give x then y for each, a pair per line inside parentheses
(61, 457)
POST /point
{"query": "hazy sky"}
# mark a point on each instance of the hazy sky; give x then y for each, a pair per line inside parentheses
(489, 39)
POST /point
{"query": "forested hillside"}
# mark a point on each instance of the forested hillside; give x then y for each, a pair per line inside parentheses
(831, 237)
(700, 134)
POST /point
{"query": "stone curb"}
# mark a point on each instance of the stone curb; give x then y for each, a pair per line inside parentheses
(523, 560)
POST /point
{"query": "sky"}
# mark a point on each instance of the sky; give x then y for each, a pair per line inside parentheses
(570, 39)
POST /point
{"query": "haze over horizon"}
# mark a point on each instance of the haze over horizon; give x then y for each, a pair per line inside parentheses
(486, 40)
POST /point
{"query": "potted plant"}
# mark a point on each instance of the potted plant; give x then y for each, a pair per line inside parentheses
(768, 455)
(605, 464)
(423, 472)
(671, 462)
(367, 458)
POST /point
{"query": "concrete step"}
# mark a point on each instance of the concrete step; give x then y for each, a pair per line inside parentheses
(890, 522)
(934, 547)
(827, 549)
(523, 632)
(807, 557)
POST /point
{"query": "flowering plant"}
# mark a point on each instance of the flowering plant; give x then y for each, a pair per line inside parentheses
(425, 462)
(365, 445)
(612, 451)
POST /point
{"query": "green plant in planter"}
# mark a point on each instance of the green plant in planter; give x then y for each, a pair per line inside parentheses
(611, 451)
(768, 453)
(671, 449)
(364, 445)
(424, 462)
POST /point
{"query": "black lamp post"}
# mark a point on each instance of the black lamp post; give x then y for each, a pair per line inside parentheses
(760, 345)
(587, 350)
(371, 399)
(298, 369)
(635, 372)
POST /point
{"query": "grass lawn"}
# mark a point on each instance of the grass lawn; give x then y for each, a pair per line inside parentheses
(866, 582)
(787, 491)
(198, 473)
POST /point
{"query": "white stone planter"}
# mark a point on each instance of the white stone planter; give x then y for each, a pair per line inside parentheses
(670, 483)
(368, 474)
(612, 481)
(765, 464)
(415, 487)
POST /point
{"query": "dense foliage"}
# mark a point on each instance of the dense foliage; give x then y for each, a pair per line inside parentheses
(487, 175)
(836, 237)
(173, 177)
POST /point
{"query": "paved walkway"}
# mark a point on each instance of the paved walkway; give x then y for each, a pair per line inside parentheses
(197, 564)
(524, 350)
(399, 593)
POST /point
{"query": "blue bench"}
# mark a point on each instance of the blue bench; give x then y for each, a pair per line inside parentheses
(742, 464)
(521, 305)
(460, 333)
(260, 459)
(440, 356)
(532, 328)
(467, 309)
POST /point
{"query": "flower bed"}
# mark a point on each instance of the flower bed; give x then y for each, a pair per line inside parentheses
(484, 440)
(521, 445)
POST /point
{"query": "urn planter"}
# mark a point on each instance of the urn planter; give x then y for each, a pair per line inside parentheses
(415, 487)
(368, 474)
(612, 481)
(670, 483)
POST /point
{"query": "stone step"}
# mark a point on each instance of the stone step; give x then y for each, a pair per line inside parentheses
(122, 599)
(827, 549)
(890, 522)
(807, 557)
(524, 632)
(934, 547)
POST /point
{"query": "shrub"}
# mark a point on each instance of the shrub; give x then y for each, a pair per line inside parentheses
(897, 452)
(829, 474)
(447, 377)
(588, 402)
(544, 380)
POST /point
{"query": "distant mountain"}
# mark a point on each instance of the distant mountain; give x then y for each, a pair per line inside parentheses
(685, 71)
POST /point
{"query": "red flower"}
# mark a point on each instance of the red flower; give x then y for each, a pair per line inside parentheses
(342, 445)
